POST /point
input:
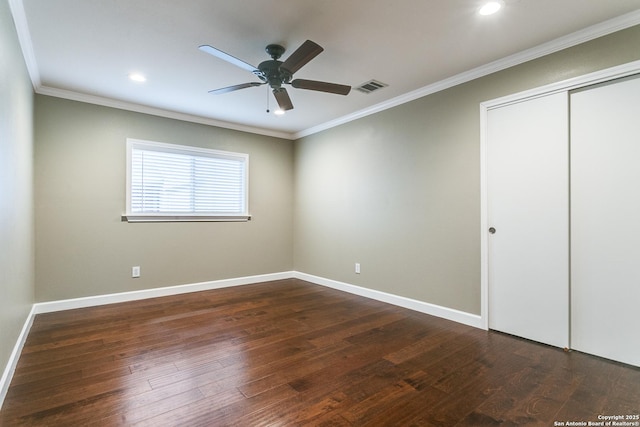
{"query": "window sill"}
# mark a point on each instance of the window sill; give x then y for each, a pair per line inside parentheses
(184, 218)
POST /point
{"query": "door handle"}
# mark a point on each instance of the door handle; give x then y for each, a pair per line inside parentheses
(492, 230)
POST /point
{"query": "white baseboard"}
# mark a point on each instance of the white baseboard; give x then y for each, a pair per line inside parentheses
(7, 375)
(48, 307)
(68, 304)
(412, 304)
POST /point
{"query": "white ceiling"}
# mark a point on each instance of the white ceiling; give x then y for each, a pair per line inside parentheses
(85, 49)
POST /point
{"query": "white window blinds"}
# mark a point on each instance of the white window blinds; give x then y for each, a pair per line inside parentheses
(174, 182)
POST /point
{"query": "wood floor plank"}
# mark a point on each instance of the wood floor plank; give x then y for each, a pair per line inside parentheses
(291, 353)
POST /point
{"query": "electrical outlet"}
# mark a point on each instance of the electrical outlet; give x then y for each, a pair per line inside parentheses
(357, 268)
(135, 271)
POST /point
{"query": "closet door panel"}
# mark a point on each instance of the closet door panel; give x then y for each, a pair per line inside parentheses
(605, 230)
(528, 205)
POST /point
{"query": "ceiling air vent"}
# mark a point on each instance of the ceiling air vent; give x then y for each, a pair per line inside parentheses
(371, 86)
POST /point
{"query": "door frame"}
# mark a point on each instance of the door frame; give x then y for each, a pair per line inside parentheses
(562, 86)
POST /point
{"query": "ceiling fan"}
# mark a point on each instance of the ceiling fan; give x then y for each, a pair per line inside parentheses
(276, 73)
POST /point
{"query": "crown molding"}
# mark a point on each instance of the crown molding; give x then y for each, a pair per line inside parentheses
(26, 45)
(139, 108)
(602, 29)
(590, 33)
(24, 38)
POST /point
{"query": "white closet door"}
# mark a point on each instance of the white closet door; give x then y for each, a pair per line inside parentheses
(528, 205)
(605, 230)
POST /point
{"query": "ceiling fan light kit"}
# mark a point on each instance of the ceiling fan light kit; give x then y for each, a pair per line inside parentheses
(137, 77)
(276, 73)
(491, 7)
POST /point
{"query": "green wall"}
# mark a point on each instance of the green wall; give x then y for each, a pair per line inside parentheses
(399, 191)
(16, 189)
(82, 246)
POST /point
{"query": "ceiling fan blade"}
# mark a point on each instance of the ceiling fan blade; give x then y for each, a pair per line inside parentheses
(301, 56)
(234, 87)
(226, 57)
(284, 102)
(321, 86)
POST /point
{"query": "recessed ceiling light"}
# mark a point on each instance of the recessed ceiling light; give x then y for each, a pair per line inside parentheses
(137, 77)
(491, 7)
(279, 112)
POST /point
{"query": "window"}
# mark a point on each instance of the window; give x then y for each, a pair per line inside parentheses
(167, 182)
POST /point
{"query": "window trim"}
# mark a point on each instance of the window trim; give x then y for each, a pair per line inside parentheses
(130, 216)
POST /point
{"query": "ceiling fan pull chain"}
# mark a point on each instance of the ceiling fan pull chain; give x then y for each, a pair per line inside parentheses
(268, 100)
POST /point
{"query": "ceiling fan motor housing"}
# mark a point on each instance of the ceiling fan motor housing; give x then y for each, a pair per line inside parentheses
(270, 71)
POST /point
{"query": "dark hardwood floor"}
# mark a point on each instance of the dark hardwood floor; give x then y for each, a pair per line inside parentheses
(292, 353)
